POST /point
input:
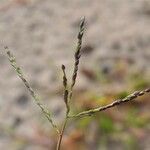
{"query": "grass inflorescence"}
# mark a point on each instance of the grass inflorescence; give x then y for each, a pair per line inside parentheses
(68, 90)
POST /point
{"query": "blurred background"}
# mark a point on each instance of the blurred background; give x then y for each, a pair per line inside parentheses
(115, 61)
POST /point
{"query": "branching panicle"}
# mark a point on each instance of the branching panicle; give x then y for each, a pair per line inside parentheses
(115, 103)
(64, 76)
(65, 83)
(78, 50)
(69, 89)
(26, 83)
(77, 55)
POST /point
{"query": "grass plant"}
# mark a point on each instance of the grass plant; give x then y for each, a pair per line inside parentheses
(68, 90)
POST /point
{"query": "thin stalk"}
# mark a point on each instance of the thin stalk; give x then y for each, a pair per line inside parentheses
(61, 134)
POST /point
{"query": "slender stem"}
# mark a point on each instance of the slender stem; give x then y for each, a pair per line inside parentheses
(61, 134)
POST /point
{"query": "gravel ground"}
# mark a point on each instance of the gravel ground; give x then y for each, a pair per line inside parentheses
(42, 34)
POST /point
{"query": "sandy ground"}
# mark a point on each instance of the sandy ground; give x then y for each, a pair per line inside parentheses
(42, 35)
